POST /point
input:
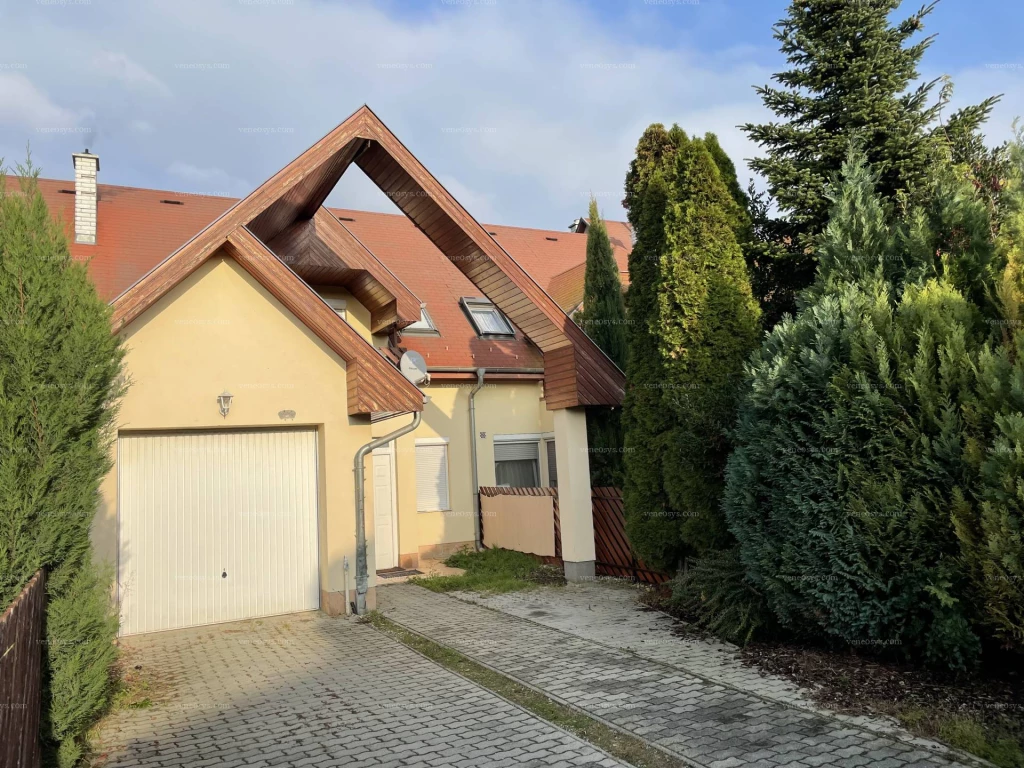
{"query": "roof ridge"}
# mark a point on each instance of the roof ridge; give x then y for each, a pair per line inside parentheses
(332, 208)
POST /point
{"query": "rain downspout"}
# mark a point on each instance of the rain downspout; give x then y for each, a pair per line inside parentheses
(477, 533)
(362, 571)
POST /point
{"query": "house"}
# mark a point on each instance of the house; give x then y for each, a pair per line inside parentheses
(262, 337)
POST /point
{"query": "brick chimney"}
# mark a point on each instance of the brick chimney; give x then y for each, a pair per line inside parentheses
(87, 166)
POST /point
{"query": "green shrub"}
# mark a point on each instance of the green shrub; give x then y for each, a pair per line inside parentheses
(854, 435)
(716, 594)
(692, 322)
(60, 371)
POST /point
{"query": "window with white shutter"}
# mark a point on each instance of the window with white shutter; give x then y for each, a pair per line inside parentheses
(517, 464)
(431, 476)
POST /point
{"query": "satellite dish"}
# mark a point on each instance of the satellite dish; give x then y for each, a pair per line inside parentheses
(414, 368)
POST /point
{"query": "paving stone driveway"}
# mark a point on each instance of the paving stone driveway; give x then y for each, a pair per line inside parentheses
(607, 612)
(702, 721)
(306, 690)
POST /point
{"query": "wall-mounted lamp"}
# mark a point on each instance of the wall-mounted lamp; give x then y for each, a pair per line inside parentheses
(224, 401)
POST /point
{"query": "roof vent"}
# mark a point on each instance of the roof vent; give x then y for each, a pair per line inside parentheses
(66, 191)
(172, 202)
(552, 239)
(345, 218)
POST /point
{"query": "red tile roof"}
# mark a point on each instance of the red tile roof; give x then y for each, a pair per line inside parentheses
(137, 229)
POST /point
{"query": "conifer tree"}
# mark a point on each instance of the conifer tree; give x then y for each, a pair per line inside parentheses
(856, 432)
(692, 321)
(850, 77)
(651, 525)
(59, 377)
(709, 323)
(603, 317)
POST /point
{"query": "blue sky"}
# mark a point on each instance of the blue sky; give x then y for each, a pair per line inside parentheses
(522, 108)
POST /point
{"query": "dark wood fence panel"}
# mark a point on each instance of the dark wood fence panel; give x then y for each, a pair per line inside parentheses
(21, 670)
(613, 552)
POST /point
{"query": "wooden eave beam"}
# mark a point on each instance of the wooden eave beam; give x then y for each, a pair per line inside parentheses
(402, 307)
(375, 383)
(595, 380)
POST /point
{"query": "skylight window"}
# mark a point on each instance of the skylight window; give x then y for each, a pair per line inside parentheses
(487, 318)
(423, 325)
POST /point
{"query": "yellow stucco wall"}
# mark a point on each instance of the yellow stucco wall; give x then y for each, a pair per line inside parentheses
(501, 408)
(220, 329)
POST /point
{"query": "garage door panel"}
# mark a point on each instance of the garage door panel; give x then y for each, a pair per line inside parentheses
(216, 526)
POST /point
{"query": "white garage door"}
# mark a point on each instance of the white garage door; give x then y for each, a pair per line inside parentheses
(216, 526)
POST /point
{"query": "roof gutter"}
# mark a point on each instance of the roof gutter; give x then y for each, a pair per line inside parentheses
(448, 369)
(362, 568)
(478, 538)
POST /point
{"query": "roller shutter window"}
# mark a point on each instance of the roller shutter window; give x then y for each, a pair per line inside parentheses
(517, 465)
(432, 477)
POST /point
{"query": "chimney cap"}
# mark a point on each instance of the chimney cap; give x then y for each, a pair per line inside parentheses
(85, 153)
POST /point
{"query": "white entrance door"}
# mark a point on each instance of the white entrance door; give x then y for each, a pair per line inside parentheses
(385, 509)
(216, 526)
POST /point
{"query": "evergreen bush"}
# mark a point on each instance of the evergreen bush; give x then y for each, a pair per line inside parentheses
(60, 368)
(855, 433)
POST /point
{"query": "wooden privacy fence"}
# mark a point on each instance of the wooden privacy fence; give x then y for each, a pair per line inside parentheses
(21, 671)
(494, 528)
(613, 552)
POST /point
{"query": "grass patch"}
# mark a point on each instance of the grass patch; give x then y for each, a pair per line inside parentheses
(997, 742)
(136, 686)
(623, 746)
(491, 572)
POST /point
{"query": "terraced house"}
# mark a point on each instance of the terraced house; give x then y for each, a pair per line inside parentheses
(263, 338)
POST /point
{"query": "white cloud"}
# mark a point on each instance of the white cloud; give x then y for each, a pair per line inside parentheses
(25, 106)
(209, 181)
(117, 66)
(530, 106)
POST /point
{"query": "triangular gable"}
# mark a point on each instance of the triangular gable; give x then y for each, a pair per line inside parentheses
(577, 372)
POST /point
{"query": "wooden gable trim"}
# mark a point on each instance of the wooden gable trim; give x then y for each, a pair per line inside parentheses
(308, 167)
(374, 385)
(581, 374)
(323, 246)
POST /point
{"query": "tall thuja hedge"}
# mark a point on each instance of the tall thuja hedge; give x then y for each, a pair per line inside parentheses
(708, 325)
(857, 426)
(990, 525)
(692, 322)
(603, 317)
(59, 376)
(651, 524)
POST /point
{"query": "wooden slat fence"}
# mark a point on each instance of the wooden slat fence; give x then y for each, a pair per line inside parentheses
(614, 554)
(21, 670)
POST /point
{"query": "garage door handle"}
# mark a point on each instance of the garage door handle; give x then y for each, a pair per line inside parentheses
(224, 575)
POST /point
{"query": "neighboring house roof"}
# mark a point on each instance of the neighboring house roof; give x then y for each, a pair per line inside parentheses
(439, 254)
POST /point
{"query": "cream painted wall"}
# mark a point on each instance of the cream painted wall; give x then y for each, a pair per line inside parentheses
(501, 408)
(220, 329)
(356, 314)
